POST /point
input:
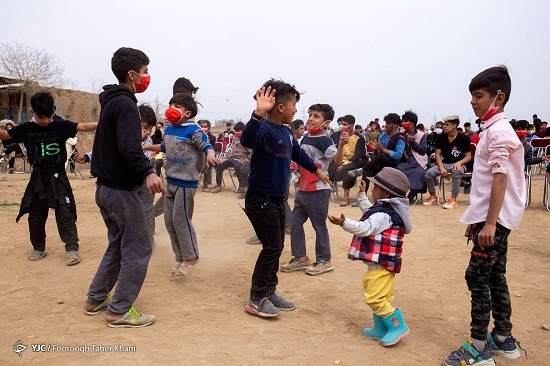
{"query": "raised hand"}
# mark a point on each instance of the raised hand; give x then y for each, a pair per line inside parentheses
(337, 220)
(265, 100)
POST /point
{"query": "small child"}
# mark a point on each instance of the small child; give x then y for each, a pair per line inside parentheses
(273, 146)
(378, 240)
(185, 144)
(313, 195)
(497, 202)
(48, 186)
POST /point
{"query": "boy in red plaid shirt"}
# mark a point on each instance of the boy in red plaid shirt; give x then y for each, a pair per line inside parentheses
(378, 240)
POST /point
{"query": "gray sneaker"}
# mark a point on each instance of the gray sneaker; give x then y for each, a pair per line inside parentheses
(295, 264)
(281, 303)
(132, 319)
(354, 173)
(263, 308)
(319, 267)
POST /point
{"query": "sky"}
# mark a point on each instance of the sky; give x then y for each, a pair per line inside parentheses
(365, 58)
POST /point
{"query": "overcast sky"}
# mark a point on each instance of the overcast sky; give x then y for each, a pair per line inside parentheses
(365, 58)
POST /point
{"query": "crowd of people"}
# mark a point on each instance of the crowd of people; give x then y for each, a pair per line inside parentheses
(401, 158)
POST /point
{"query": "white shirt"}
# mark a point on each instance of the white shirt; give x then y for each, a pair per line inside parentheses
(498, 151)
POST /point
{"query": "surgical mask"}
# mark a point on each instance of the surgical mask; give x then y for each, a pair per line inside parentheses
(238, 133)
(529, 132)
(145, 80)
(439, 131)
(406, 126)
(173, 115)
(316, 129)
(492, 109)
(521, 134)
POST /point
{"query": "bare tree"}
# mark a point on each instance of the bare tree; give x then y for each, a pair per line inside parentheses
(29, 65)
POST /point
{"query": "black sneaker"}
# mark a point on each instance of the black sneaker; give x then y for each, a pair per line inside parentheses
(507, 349)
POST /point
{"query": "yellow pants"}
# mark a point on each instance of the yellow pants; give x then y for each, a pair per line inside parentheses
(378, 285)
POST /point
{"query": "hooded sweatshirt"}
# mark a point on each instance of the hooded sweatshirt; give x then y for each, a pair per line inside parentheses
(119, 162)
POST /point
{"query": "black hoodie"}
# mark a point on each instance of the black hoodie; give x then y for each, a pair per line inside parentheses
(118, 160)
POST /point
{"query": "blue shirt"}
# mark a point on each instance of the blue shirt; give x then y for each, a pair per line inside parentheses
(396, 154)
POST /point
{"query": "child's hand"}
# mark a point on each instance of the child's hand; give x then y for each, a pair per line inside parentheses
(337, 220)
(322, 177)
(79, 158)
(212, 161)
(265, 101)
(362, 186)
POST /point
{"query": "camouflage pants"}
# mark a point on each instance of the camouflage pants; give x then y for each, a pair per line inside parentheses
(486, 281)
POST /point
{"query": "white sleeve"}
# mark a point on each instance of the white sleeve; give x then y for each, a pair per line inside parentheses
(375, 224)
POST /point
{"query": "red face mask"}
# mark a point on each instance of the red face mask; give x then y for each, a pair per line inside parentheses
(238, 133)
(406, 126)
(145, 80)
(313, 131)
(521, 134)
(205, 129)
(173, 115)
(492, 109)
(543, 128)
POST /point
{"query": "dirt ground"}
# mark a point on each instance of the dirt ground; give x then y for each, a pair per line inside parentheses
(201, 319)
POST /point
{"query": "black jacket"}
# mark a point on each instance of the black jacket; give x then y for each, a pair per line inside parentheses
(119, 162)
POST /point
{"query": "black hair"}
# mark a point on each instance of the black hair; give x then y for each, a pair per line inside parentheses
(349, 119)
(372, 123)
(184, 86)
(493, 79)
(284, 91)
(228, 124)
(147, 115)
(410, 116)
(42, 104)
(420, 127)
(296, 124)
(467, 124)
(126, 59)
(440, 123)
(325, 109)
(392, 118)
(10, 124)
(239, 126)
(544, 123)
(205, 121)
(185, 101)
(522, 124)
(358, 127)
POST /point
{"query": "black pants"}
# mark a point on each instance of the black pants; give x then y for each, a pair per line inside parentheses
(347, 181)
(241, 171)
(486, 279)
(267, 215)
(375, 165)
(64, 218)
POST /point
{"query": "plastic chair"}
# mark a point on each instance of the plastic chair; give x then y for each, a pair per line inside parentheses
(545, 198)
(539, 146)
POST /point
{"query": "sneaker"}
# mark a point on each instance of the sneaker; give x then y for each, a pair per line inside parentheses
(430, 201)
(205, 188)
(281, 303)
(263, 308)
(355, 204)
(319, 267)
(467, 189)
(451, 203)
(354, 173)
(100, 307)
(253, 240)
(468, 354)
(216, 189)
(507, 349)
(132, 319)
(296, 264)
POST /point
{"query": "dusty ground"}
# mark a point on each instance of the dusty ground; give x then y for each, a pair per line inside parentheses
(201, 320)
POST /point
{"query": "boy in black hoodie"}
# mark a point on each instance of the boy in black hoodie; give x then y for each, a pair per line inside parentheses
(120, 167)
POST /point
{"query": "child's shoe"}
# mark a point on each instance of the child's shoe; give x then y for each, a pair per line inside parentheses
(468, 354)
(320, 267)
(507, 349)
(263, 308)
(378, 331)
(397, 329)
(295, 264)
(451, 203)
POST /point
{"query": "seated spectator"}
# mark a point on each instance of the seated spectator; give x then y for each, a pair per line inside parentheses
(239, 160)
(468, 129)
(452, 152)
(415, 166)
(372, 136)
(359, 130)
(228, 132)
(521, 131)
(388, 152)
(530, 133)
(438, 130)
(355, 155)
(542, 132)
(207, 170)
(11, 148)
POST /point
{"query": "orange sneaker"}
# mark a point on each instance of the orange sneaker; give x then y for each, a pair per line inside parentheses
(430, 201)
(451, 203)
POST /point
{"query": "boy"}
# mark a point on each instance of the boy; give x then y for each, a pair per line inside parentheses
(184, 144)
(272, 146)
(120, 167)
(48, 186)
(378, 240)
(496, 207)
(313, 196)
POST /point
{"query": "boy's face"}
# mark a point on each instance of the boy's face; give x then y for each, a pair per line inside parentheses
(314, 120)
(467, 129)
(481, 100)
(449, 127)
(299, 132)
(373, 128)
(204, 126)
(378, 193)
(390, 127)
(42, 120)
(145, 130)
(288, 110)
(184, 111)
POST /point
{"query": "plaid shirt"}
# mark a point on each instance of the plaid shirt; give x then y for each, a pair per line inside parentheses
(384, 248)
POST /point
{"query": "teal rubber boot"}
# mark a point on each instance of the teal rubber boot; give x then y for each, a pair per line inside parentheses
(378, 331)
(397, 329)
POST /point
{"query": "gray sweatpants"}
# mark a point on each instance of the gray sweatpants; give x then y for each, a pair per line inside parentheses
(312, 205)
(434, 172)
(179, 203)
(147, 199)
(127, 256)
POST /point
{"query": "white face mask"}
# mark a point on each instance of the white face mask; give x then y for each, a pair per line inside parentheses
(439, 131)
